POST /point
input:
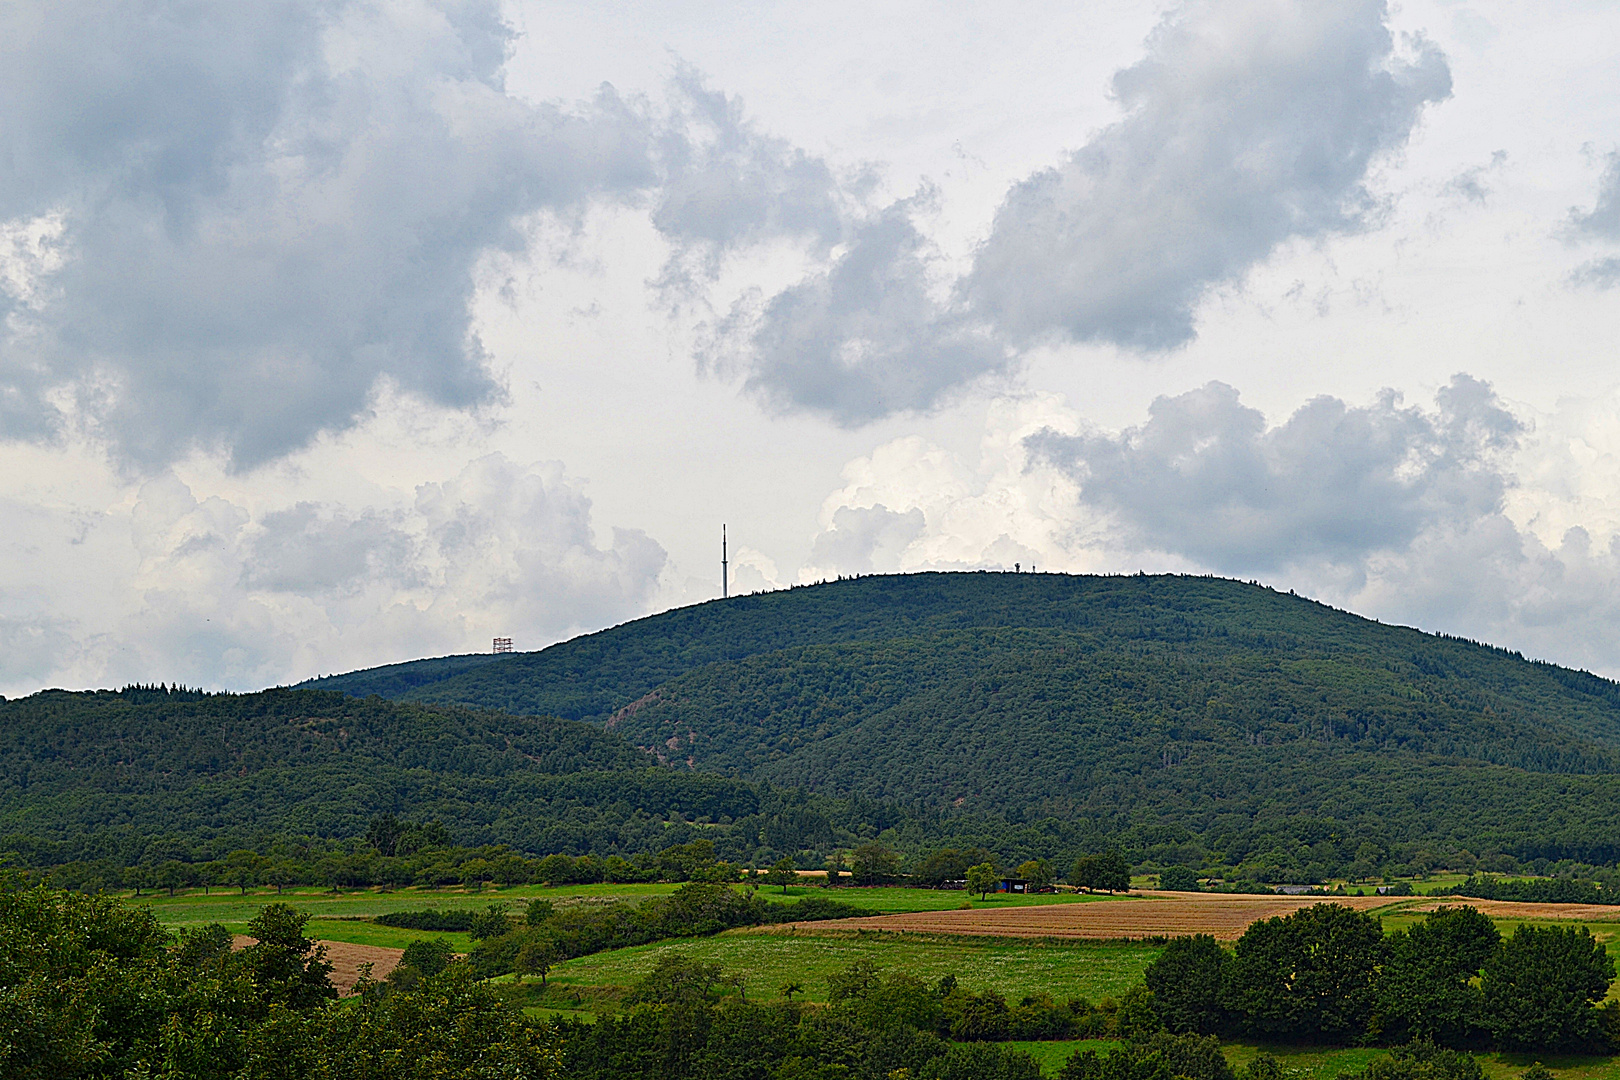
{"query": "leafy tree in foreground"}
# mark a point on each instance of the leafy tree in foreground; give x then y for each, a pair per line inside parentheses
(1187, 981)
(784, 873)
(1426, 989)
(289, 969)
(982, 878)
(1540, 987)
(1307, 976)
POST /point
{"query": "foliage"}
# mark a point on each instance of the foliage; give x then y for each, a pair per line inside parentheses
(1560, 890)
(1421, 1060)
(1178, 879)
(1427, 989)
(452, 919)
(1188, 980)
(1161, 1056)
(695, 909)
(982, 878)
(90, 988)
(1106, 872)
(1308, 976)
(1086, 696)
(873, 864)
(1540, 986)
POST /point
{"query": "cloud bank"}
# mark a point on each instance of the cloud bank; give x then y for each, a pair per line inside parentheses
(206, 591)
(1463, 516)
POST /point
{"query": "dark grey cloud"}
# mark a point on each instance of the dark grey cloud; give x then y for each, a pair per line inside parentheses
(1602, 222)
(268, 209)
(1248, 124)
(729, 185)
(863, 339)
(1206, 478)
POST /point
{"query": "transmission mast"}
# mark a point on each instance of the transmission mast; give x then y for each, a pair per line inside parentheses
(725, 570)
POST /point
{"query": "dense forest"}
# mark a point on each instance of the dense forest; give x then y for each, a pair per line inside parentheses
(1215, 716)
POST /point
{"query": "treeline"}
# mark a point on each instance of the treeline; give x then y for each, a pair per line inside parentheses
(1328, 973)
(1559, 890)
(97, 990)
(146, 778)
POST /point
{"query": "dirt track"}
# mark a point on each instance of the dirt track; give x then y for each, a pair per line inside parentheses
(346, 960)
(1225, 916)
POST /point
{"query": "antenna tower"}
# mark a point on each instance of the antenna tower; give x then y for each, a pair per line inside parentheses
(725, 572)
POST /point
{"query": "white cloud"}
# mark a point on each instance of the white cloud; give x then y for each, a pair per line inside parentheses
(1468, 518)
(1248, 124)
(207, 591)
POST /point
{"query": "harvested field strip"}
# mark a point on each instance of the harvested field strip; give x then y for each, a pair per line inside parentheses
(346, 960)
(1224, 916)
(1516, 909)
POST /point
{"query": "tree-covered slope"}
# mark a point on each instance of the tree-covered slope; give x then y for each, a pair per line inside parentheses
(1195, 700)
(82, 770)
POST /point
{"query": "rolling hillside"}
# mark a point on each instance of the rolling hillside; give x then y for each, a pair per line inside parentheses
(1198, 706)
(107, 774)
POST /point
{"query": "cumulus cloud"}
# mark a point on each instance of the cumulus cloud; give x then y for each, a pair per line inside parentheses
(863, 339)
(204, 590)
(865, 539)
(1602, 222)
(1206, 478)
(1465, 517)
(1249, 123)
(268, 210)
(730, 186)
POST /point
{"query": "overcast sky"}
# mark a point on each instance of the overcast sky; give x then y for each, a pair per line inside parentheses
(341, 333)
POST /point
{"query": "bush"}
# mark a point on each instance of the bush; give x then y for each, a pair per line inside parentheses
(427, 919)
(428, 955)
(1178, 879)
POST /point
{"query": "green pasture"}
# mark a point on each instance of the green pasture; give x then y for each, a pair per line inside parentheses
(769, 961)
(1053, 1055)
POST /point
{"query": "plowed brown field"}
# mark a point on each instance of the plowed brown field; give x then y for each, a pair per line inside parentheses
(1513, 909)
(1148, 915)
(346, 960)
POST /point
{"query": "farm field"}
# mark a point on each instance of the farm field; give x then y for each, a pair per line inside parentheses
(342, 916)
(1225, 916)
(770, 961)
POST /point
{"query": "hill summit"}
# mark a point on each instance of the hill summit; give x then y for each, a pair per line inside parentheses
(1191, 705)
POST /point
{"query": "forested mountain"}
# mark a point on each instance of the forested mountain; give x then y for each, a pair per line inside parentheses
(1198, 707)
(108, 774)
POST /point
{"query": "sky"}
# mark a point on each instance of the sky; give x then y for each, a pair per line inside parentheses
(336, 333)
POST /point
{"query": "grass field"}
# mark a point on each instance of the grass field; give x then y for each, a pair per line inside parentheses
(770, 961)
(343, 916)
